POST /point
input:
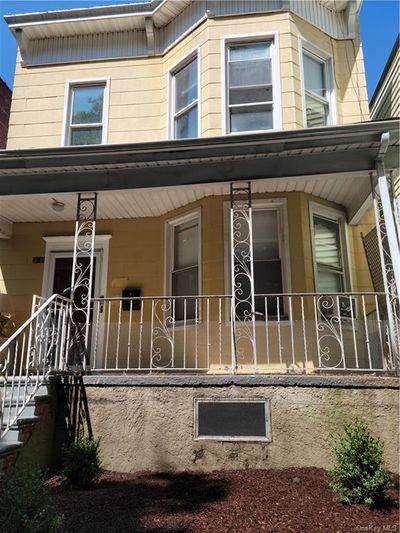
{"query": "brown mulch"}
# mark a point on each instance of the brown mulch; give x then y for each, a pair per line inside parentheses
(240, 501)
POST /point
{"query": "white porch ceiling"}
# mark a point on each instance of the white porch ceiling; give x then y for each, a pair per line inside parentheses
(348, 190)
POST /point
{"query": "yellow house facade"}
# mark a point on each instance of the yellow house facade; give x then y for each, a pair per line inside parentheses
(114, 97)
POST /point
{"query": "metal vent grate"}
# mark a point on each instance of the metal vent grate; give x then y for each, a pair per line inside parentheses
(243, 419)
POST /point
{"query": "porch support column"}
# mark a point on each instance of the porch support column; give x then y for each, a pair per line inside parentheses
(389, 252)
(82, 280)
(242, 278)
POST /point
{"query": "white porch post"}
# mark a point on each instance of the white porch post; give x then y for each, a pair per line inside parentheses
(242, 278)
(390, 259)
(82, 280)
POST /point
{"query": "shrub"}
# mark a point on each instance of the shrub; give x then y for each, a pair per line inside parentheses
(81, 463)
(26, 503)
(358, 475)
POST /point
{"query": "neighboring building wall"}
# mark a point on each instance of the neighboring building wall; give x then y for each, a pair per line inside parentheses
(385, 102)
(5, 104)
(137, 255)
(138, 109)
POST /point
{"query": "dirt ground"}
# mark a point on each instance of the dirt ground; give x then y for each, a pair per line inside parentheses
(241, 501)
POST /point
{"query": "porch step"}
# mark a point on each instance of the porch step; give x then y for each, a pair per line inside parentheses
(21, 429)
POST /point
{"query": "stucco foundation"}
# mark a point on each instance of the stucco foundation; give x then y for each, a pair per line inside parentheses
(148, 423)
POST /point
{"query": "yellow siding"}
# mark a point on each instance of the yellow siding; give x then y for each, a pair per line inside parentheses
(139, 92)
(136, 256)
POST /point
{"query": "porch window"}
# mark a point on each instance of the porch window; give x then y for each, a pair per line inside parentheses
(184, 260)
(86, 114)
(185, 101)
(249, 87)
(328, 254)
(270, 257)
(317, 88)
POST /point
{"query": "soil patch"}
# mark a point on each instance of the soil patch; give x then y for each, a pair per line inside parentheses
(240, 501)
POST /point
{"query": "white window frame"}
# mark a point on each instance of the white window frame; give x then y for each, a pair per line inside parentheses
(171, 115)
(280, 205)
(169, 254)
(273, 37)
(339, 217)
(308, 48)
(69, 85)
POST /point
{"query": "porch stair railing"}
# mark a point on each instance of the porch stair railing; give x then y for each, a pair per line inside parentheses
(34, 350)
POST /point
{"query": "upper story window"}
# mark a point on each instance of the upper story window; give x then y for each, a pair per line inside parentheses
(318, 90)
(250, 86)
(330, 258)
(185, 100)
(86, 116)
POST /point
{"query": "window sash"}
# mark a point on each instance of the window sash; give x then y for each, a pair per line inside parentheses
(84, 125)
(325, 100)
(240, 87)
(179, 113)
(324, 267)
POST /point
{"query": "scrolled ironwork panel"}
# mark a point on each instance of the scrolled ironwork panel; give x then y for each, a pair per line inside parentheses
(242, 277)
(82, 280)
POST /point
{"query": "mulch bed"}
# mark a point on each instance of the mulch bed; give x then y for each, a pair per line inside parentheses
(240, 501)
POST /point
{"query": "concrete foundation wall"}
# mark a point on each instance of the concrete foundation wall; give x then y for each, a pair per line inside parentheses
(147, 423)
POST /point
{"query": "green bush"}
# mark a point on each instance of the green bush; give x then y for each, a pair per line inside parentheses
(26, 503)
(358, 475)
(81, 463)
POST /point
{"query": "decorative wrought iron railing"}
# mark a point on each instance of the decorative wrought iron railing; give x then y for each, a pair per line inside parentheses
(37, 348)
(293, 333)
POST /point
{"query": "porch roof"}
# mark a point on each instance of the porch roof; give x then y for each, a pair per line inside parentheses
(344, 153)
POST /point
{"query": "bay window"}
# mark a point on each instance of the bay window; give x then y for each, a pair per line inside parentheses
(185, 101)
(317, 75)
(249, 82)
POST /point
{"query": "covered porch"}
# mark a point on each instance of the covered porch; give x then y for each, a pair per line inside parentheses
(259, 267)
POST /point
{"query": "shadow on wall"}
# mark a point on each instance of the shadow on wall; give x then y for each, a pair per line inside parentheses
(73, 418)
(139, 504)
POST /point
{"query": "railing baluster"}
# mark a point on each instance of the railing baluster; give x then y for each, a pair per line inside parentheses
(316, 331)
(266, 330)
(279, 330)
(220, 332)
(141, 335)
(184, 333)
(128, 353)
(107, 335)
(341, 332)
(303, 325)
(208, 332)
(173, 334)
(151, 334)
(196, 337)
(118, 333)
(366, 332)
(379, 323)
(291, 330)
(96, 333)
(354, 331)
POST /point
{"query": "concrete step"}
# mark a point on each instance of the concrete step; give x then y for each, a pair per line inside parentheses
(7, 448)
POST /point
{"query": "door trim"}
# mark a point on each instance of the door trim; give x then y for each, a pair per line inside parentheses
(66, 244)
